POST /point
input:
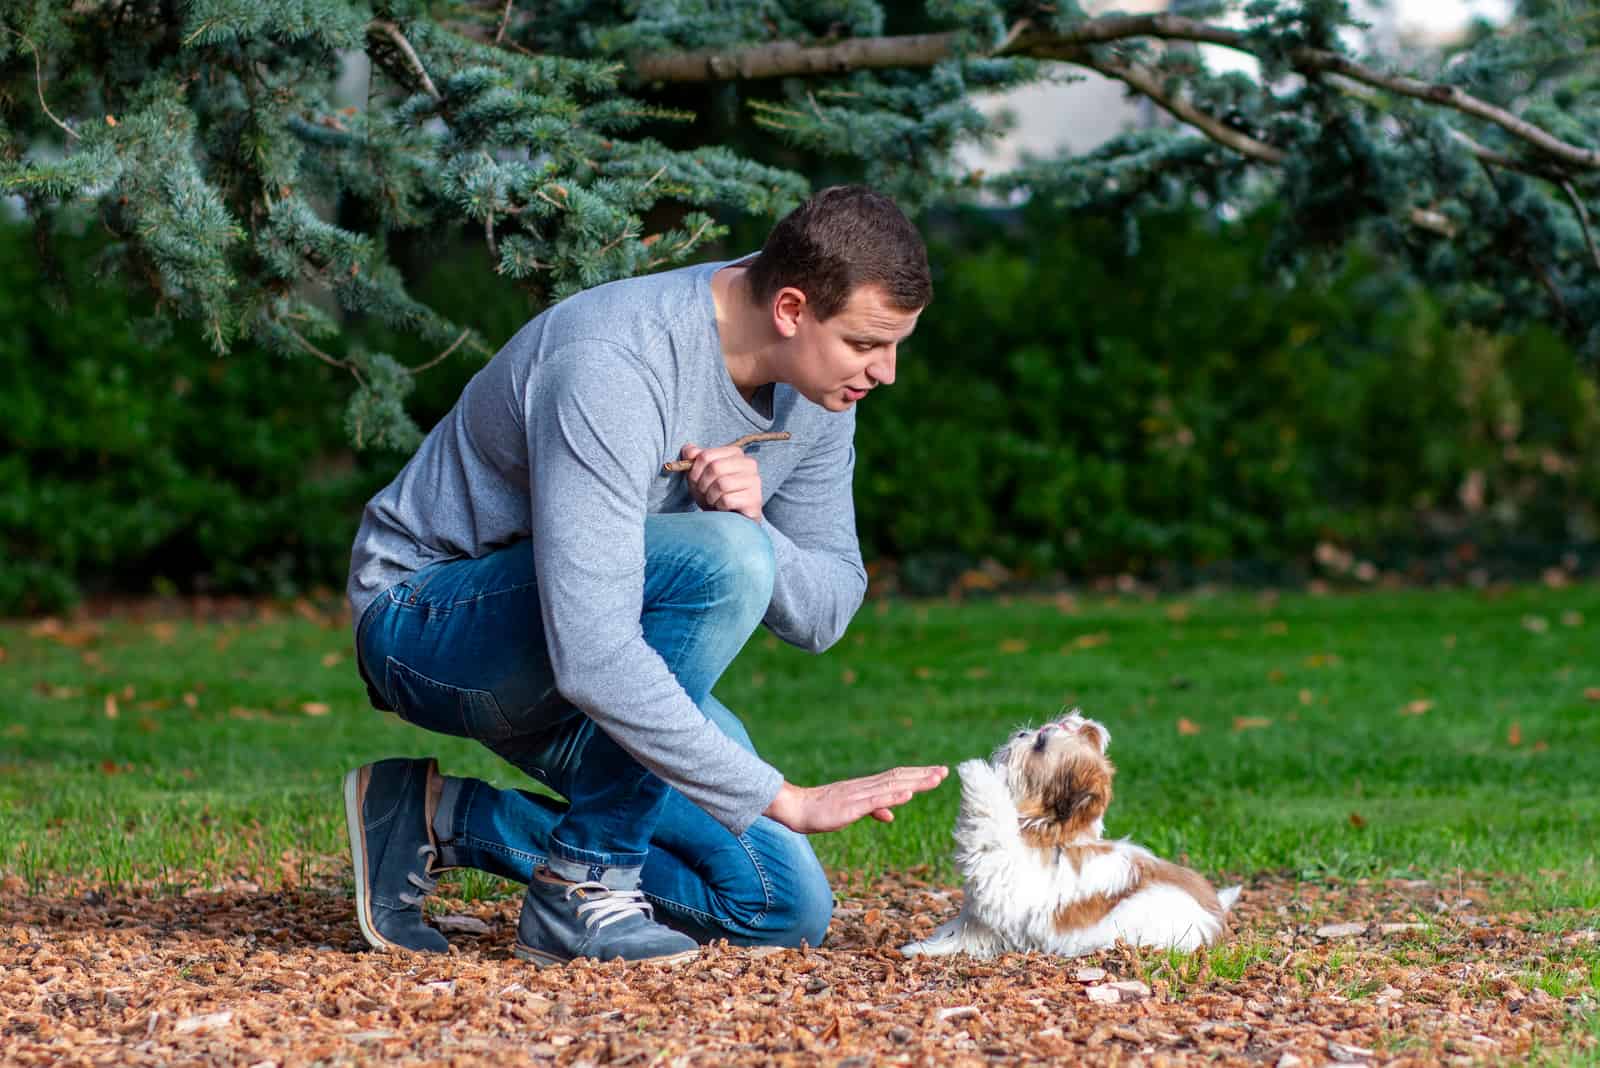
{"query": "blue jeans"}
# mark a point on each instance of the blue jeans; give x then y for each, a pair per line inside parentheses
(459, 648)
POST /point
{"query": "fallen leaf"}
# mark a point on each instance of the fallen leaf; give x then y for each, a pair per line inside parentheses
(923, 672)
(1341, 930)
(1514, 735)
(315, 708)
(1276, 626)
(1013, 645)
(1591, 693)
(1089, 641)
(331, 659)
(957, 1012)
(15, 730)
(1347, 1054)
(1535, 624)
(1178, 612)
(1417, 707)
(977, 673)
(190, 700)
(1249, 723)
(1571, 619)
(1317, 660)
(1275, 675)
(111, 706)
(1306, 697)
(1356, 821)
(848, 676)
(1188, 726)
(203, 1023)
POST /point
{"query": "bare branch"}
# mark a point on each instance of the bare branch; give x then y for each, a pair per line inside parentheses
(392, 31)
(1143, 80)
(440, 358)
(38, 79)
(331, 361)
(1583, 220)
(505, 20)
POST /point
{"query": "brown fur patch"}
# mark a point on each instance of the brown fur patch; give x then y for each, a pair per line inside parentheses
(1086, 912)
(1147, 871)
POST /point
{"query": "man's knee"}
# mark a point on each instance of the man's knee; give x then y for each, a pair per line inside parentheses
(800, 911)
(739, 556)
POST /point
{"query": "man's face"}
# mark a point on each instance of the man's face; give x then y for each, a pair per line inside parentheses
(839, 360)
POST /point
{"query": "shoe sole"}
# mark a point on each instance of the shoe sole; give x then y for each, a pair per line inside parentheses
(358, 857)
(549, 960)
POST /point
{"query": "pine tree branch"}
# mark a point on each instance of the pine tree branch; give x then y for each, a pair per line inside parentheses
(788, 58)
(398, 39)
(1145, 81)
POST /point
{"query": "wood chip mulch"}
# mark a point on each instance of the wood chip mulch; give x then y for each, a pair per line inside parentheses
(1362, 973)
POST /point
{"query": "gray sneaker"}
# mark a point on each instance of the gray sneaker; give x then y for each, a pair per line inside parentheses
(564, 920)
(388, 813)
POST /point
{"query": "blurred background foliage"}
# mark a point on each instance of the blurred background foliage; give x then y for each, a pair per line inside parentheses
(1069, 408)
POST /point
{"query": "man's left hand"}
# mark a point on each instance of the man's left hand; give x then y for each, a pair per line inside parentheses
(724, 479)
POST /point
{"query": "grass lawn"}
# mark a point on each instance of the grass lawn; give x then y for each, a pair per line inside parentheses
(1393, 733)
(1377, 757)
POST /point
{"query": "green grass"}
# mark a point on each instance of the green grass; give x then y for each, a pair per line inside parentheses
(1338, 784)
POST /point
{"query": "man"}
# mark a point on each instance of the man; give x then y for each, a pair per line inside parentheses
(535, 580)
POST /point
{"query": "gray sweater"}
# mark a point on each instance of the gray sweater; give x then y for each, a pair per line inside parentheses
(560, 438)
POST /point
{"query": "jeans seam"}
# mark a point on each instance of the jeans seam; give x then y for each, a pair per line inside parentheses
(486, 594)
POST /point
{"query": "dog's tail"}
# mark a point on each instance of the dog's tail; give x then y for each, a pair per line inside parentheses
(1228, 896)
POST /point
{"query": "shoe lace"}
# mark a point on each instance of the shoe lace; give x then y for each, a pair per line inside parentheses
(603, 905)
(421, 880)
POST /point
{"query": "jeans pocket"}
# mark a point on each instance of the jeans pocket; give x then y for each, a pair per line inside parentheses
(438, 706)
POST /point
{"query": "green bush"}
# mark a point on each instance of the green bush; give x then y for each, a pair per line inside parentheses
(1065, 406)
(127, 465)
(1069, 405)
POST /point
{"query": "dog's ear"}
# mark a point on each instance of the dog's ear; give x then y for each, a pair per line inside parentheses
(1083, 792)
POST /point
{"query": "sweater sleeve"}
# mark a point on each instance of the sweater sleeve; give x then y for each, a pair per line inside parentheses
(596, 436)
(811, 520)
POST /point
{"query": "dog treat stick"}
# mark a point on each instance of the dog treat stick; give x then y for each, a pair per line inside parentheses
(738, 443)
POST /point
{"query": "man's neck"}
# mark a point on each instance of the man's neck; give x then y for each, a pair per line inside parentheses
(742, 328)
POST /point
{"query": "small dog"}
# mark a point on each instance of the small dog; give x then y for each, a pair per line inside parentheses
(1039, 876)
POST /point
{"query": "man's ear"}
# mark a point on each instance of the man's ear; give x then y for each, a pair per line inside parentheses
(787, 307)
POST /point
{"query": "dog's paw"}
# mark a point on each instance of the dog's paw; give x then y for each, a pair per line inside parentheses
(944, 941)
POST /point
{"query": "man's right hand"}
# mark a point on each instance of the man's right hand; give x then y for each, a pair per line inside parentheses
(814, 809)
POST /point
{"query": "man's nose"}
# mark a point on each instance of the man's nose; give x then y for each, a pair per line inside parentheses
(882, 372)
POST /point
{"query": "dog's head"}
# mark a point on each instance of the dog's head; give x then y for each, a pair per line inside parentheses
(1059, 778)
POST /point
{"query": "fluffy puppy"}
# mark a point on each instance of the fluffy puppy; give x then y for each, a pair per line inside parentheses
(1038, 875)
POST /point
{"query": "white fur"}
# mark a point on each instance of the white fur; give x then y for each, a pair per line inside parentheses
(1013, 890)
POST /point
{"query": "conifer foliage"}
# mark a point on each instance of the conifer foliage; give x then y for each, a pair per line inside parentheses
(210, 137)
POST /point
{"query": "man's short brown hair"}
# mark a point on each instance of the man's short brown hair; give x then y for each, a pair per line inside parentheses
(844, 237)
